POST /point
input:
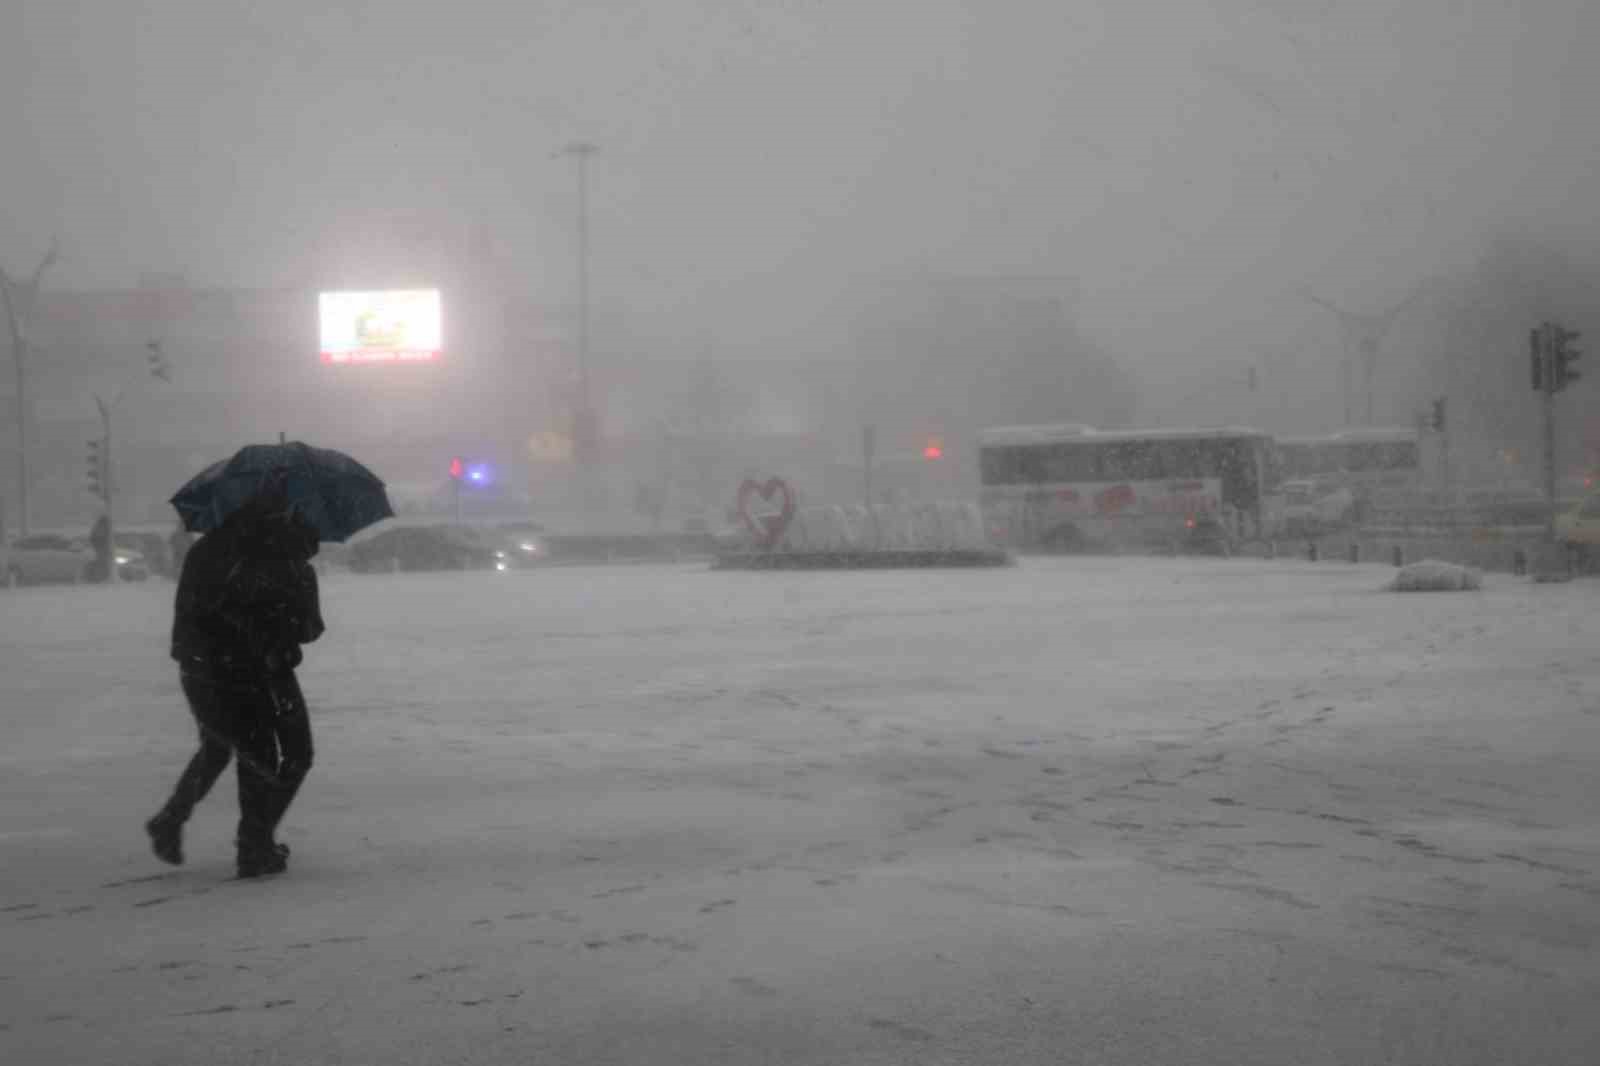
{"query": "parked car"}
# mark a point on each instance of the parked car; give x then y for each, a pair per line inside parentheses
(151, 547)
(515, 550)
(131, 563)
(411, 548)
(45, 558)
(1310, 508)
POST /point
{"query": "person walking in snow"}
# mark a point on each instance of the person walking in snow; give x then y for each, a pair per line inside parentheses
(100, 541)
(178, 547)
(247, 600)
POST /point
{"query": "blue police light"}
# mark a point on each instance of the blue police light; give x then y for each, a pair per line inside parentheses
(479, 474)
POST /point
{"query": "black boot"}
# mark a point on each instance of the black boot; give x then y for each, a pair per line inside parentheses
(258, 860)
(166, 838)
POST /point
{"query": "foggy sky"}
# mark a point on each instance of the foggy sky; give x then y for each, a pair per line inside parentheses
(1186, 163)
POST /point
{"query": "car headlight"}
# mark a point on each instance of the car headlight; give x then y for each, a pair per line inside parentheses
(501, 565)
(529, 546)
(122, 560)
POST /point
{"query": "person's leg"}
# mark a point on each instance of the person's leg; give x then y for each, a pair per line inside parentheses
(292, 730)
(208, 705)
(258, 781)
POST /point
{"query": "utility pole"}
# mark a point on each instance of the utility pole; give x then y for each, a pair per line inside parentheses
(584, 424)
(1548, 403)
(1445, 468)
(101, 456)
(1440, 424)
(458, 470)
(869, 447)
(20, 299)
(102, 474)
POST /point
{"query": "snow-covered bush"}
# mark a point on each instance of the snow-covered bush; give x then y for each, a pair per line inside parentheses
(946, 525)
(1432, 575)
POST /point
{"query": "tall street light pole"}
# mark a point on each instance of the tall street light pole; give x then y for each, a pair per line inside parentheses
(19, 299)
(103, 477)
(585, 431)
(1363, 333)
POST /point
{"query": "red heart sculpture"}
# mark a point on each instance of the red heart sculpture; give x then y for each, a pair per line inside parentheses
(768, 529)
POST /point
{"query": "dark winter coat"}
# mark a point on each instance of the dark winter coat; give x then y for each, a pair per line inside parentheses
(247, 597)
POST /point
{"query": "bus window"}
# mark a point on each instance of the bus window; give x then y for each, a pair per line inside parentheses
(1242, 461)
(1119, 462)
(1069, 463)
(1234, 463)
(1207, 458)
(1184, 459)
(1132, 461)
(1029, 468)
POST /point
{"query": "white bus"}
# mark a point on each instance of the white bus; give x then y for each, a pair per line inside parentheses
(1332, 481)
(1064, 486)
(1373, 457)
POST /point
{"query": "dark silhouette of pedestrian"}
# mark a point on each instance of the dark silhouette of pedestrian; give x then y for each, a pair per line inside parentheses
(178, 547)
(247, 600)
(100, 541)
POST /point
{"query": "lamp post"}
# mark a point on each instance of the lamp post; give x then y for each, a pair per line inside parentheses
(18, 297)
(102, 477)
(584, 437)
(1363, 333)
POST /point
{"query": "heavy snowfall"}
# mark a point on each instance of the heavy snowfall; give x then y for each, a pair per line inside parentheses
(1093, 810)
(841, 533)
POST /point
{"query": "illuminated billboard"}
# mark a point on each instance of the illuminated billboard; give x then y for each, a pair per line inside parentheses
(398, 326)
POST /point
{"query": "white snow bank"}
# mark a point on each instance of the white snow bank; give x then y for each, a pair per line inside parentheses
(946, 525)
(1433, 575)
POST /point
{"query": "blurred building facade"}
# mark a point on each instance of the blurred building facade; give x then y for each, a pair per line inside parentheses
(244, 367)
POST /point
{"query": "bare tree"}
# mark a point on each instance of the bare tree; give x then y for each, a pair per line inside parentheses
(20, 297)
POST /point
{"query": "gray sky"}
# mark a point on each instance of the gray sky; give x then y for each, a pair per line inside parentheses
(1189, 162)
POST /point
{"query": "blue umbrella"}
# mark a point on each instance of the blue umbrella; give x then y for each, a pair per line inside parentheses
(334, 492)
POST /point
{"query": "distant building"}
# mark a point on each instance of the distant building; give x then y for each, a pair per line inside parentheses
(245, 367)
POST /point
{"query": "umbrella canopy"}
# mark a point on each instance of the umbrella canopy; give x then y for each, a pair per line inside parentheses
(335, 493)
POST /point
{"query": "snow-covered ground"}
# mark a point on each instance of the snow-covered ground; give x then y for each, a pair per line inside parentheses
(1081, 811)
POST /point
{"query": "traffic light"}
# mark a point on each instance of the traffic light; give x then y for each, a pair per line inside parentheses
(465, 471)
(1564, 357)
(1437, 422)
(99, 475)
(1536, 357)
(159, 367)
(933, 450)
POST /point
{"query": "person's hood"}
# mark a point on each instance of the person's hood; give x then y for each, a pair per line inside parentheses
(267, 527)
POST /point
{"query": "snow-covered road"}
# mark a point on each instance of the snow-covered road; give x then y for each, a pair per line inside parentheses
(1080, 811)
